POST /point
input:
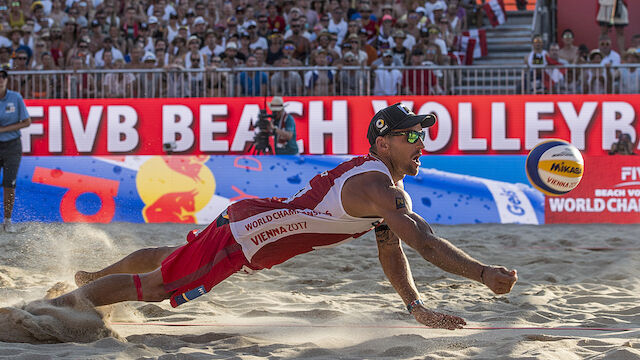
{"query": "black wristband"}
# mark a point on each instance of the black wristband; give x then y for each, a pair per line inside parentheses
(382, 227)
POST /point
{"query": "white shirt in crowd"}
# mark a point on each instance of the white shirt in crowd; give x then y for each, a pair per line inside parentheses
(116, 54)
(168, 10)
(613, 58)
(305, 34)
(387, 82)
(260, 43)
(339, 28)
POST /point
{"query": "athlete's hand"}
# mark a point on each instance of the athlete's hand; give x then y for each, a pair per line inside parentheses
(437, 320)
(499, 279)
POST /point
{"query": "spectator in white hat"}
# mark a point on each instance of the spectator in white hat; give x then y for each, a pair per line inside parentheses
(255, 41)
(199, 28)
(230, 58)
(193, 44)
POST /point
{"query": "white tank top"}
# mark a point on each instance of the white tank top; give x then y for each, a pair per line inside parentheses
(271, 231)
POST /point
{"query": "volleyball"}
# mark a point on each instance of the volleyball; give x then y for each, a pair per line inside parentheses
(554, 167)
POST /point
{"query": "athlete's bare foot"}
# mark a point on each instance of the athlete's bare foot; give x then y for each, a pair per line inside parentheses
(83, 278)
(58, 289)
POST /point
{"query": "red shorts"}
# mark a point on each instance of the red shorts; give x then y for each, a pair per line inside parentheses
(208, 258)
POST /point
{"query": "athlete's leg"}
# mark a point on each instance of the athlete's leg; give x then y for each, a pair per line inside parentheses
(138, 262)
(115, 288)
(620, 39)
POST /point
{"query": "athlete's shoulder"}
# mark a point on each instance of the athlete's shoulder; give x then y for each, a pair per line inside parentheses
(369, 193)
(368, 185)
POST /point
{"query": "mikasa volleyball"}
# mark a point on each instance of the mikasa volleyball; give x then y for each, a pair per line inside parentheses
(554, 167)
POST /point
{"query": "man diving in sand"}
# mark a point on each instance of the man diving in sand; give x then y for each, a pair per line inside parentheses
(338, 205)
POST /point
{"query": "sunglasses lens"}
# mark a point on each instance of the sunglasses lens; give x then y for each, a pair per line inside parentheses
(413, 136)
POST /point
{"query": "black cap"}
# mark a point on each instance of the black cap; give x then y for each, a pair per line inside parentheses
(4, 72)
(396, 116)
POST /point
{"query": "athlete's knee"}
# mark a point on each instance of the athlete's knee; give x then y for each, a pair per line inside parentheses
(163, 252)
(151, 287)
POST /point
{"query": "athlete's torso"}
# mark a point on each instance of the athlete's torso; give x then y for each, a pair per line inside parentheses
(270, 231)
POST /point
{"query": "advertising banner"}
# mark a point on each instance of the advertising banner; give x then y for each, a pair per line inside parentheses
(197, 188)
(608, 193)
(495, 125)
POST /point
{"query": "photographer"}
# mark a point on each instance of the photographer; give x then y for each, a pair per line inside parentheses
(283, 128)
(624, 145)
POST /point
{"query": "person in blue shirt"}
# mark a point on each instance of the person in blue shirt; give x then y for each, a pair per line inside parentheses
(284, 128)
(252, 83)
(13, 117)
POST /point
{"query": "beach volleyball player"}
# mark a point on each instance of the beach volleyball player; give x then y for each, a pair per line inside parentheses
(357, 196)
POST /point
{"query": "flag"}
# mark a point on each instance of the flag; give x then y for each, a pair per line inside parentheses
(473, 44)
(495, 12)
(554, 75)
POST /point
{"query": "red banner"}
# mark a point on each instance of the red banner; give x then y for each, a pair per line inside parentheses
(608, 193)
(325, 125)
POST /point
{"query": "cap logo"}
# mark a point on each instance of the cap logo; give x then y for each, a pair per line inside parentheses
(380, 124)
(405, 109)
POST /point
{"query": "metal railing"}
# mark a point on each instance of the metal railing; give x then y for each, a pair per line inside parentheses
(327, 81)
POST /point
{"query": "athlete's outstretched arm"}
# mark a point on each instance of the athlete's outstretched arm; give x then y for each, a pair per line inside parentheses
(415, 232)
(396, 268)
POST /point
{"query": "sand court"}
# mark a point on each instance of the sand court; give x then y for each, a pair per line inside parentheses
(577, 297)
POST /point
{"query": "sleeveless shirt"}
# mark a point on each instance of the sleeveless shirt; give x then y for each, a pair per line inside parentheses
(271, 231)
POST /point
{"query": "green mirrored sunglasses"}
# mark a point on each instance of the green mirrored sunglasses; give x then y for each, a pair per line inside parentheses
(412, 135)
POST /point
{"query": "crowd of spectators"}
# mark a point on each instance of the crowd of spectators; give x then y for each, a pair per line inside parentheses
(605, 76)
(256, 35)
(198, 34)
(550, 74)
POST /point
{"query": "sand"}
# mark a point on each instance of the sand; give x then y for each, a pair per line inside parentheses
(333, 303)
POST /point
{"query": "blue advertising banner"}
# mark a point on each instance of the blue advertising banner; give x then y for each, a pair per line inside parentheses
(195, 189)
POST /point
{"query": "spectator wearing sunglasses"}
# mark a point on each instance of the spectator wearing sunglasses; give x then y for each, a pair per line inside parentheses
(569, 52)
(300, 39)
(194, 51)
(262, 23)
(288, 52)
(255, 41)
(609, 56)
(195, 79)
(274, 53)
(337, 24)
(16, 16)
(39, 47)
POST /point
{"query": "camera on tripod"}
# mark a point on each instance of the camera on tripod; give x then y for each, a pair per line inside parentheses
(264, 125)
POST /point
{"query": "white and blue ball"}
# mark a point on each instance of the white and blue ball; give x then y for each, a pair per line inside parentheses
(555, 167)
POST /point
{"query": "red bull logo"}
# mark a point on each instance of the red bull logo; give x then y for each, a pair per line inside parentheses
(174, 188)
